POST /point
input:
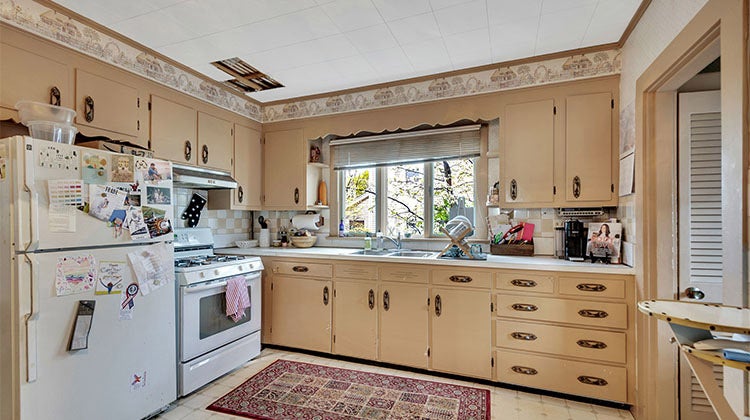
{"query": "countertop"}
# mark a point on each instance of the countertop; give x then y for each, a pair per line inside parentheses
(546, 263)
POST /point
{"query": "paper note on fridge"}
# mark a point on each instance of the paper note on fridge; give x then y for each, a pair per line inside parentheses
(152, 266)
(65, 196)
(103, 200)
(75, 274)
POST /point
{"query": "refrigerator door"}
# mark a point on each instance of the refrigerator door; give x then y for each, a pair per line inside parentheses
(128, 370)
(33, 163)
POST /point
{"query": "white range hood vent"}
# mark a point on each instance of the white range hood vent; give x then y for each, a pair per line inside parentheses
(184, 176)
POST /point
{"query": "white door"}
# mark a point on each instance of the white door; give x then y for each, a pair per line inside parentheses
(700, 224)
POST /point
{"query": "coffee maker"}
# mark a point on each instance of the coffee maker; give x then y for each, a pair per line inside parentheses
(574, 240)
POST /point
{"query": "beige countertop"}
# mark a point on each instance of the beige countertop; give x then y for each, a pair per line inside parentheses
(493, 261)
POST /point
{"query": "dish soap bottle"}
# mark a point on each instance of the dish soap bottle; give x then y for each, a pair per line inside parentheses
(368, 243)
(379, 241)
(341, 228)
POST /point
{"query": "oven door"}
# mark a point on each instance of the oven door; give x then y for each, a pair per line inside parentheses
(204, 324)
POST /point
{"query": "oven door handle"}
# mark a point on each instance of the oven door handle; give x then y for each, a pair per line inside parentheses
(217, 285)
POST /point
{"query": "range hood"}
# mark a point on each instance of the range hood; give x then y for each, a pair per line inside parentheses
(184, 176)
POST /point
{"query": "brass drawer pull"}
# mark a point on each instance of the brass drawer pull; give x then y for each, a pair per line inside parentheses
(325, 295)
(523, 336)
(438, 305)
(591, 287)
(240, 194)
(524, 307)
(204, 154)
(371, 299)
(188, 150)
(592, 380)
(591, 344)
(524, 370)
(592, 313)
(576, 186)
(513, 189)
(386, 300)
(461, 279)
(300, 269)
(54, 96)
(523, 283)
(88, 108)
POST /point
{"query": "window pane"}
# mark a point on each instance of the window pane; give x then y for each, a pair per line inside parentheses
(453, 191)
(405, 204)
(359, 207)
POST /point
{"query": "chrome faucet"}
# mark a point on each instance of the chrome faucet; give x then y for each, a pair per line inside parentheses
(396, 241)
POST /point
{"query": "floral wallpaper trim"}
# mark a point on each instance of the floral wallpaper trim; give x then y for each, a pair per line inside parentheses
(556, 70)
(57, 27)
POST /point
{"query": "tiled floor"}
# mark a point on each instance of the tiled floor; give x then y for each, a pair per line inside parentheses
(506, 404)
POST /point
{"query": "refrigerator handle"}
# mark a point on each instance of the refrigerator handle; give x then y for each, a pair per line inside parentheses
(28, 185)
(31, 318)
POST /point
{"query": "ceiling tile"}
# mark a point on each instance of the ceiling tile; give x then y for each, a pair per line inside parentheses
(607, 24)
(302, 54)
(469, 49)
(462, 18)
(154, 29)
(399, 9)
(509, 40)
(554, 6)
(349, 15)
(374, 38)
(195, 51)
(107, 12)
(501, 12)
(414, 29)
(212, 72)
(428, 56)
(441, 4)
(565, 26)
(390, 62)
(356, 70)
(553, 45)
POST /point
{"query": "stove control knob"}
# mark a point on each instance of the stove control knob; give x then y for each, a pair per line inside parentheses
(239, 268)
(202, 274)
(216, 272)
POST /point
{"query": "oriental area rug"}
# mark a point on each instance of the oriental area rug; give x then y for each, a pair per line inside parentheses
(295, 390)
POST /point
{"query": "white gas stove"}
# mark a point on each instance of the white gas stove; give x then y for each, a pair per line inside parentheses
(195, 262)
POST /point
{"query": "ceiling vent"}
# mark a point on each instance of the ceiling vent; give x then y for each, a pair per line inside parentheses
(246, 77)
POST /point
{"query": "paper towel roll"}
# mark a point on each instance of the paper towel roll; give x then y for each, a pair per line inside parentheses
(306, 221)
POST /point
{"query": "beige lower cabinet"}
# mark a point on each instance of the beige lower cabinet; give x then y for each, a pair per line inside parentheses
(404, 324)
(267, 304)
(301, 312)
(461, 332)
(355, 319)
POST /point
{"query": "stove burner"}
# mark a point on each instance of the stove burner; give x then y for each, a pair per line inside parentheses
(206, 260)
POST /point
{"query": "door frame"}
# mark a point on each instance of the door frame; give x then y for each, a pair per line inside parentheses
(655, 205)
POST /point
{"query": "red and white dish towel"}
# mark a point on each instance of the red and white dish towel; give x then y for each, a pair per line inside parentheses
(237, 298)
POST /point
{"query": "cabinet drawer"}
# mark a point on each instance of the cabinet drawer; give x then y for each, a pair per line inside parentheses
(355, 271)
(404, 273)
(302, 269)
(597, 314)
(460, 277)
(592, 287)
(606, 346)
(577, 378)
(526, 282)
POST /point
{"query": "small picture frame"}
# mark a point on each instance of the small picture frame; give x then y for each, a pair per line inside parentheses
(604, 242)
(314, 154)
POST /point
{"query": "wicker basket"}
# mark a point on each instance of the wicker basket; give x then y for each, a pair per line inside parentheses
(303, 241)
(522, 250)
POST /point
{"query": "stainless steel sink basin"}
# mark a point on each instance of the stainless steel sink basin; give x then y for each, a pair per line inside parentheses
(411, 254)
(382, 252)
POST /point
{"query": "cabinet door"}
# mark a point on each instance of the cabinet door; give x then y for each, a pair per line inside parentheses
(106, 104)
(285, 169)
(588, 148)
(173, 131)
(267, 304)
(248, 169)
(355, 318)
(404, 324)
(462, 332)
(215, 142)
(528, 153)
(301, 313)
(28, 76)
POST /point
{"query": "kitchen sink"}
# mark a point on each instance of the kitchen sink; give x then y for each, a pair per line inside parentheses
(411, 254)
(372, 252)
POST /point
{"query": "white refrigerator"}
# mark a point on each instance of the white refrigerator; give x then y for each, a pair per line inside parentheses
(118, 363)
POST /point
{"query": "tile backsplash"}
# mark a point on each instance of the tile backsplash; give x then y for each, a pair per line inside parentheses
(227, 225)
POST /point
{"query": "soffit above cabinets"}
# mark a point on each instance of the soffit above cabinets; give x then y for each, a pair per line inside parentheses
(319, 46)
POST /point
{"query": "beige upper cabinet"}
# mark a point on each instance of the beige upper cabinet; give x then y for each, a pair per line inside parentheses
(106, 104)
(528, 154)
(355, 316)
(173, 133)
(404, 324)
(588, 149)
(215, 142)
(301, 312)
(247, 170)
(284, 183)
(461, 325)
(27, 76)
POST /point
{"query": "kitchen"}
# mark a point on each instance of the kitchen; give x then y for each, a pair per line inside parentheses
(227, 136)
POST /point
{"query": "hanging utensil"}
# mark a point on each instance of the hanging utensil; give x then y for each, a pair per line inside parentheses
(262, 222)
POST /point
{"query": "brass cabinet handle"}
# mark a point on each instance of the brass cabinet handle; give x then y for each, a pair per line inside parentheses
(325, 295)
(204, 153)
(576, 186)
(188, 150)
(591, 287)
(523, 336)
(523, 283)
(88, 108)
(524, 307)
(240, 194)
(461, 279)
(386, 300)
(371, 299)
(54, 96)
(592, 313)
(524, 370)
(438, 305)
(296, 196)
(592, 380)
(300, 269)
(592, 344)
(513, 189)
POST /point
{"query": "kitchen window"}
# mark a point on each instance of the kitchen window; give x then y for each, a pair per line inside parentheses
(410, 183)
